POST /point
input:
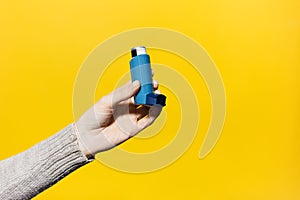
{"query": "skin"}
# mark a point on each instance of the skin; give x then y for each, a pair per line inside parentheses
(114, 119)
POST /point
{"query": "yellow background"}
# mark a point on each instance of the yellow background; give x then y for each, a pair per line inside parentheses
(256, 46)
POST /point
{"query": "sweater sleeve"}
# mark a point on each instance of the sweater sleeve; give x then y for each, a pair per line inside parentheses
(25, 175)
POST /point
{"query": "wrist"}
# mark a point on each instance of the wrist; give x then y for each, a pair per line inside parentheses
(80, 143)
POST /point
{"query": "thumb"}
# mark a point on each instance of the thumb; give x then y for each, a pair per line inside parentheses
(125, 92)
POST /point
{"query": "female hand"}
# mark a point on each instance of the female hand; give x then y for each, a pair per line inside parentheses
(114, 119)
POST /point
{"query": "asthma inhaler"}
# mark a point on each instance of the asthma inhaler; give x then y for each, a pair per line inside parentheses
(140, 69)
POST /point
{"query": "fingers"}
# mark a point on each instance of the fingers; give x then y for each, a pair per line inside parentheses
(123, 93)
(157, 92)
(154, 112)
(155, 84)
(128, 90)
(141, 112)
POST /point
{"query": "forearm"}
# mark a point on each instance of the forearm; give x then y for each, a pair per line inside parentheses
(27, 174)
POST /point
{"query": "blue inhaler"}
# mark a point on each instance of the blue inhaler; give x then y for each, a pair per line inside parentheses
(140, 69)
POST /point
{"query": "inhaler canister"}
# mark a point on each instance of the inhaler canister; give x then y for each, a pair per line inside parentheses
(140, 69)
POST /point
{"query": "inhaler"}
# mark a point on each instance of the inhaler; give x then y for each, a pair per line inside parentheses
(140, 70)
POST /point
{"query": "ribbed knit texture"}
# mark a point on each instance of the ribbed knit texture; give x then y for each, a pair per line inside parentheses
(27, 174)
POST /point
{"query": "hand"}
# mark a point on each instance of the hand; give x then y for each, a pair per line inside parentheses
(114, 119)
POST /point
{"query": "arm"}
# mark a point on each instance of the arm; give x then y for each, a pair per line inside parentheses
(111, 121)
(28, 173)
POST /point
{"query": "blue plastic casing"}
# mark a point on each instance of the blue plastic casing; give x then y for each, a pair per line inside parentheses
(140, 70)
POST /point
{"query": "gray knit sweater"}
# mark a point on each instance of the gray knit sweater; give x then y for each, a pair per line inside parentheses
(27, 174)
